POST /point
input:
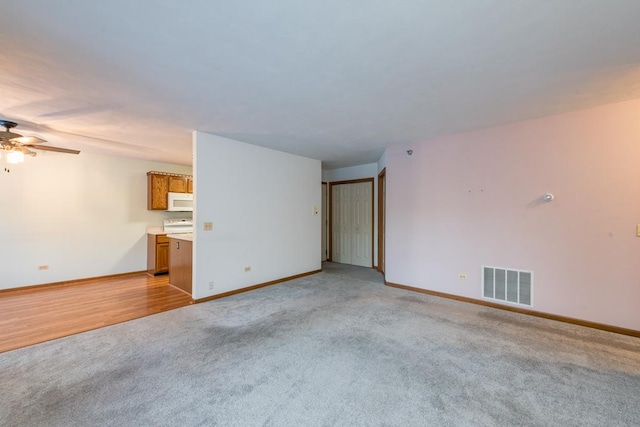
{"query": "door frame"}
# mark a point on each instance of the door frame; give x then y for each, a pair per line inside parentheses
(351, 181)
(325, 211)
(382, 187)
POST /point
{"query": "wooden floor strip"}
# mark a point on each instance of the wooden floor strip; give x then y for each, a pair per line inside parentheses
(33, 315)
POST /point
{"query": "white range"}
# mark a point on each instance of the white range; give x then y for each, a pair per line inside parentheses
(178, 225)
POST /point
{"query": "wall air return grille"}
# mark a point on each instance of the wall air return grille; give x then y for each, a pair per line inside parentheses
(507, 285)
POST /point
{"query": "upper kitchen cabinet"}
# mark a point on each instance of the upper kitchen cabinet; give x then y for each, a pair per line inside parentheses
(160, 184)
(177, 184)
(157, 189)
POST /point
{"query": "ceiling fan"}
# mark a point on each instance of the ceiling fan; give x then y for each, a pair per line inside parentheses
(16, 146)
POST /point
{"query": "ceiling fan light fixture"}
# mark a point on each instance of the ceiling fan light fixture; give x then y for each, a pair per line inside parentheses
(15, 157)
(16, 146)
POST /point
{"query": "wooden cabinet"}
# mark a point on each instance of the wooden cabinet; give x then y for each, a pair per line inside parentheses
(180, 259)
(177, 184)
(157, 253)
(161, 183)
(157, 189)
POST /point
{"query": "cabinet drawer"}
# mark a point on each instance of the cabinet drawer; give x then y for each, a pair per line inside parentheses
(162, 239)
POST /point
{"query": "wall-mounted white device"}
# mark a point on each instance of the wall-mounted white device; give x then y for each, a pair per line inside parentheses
(180, 202)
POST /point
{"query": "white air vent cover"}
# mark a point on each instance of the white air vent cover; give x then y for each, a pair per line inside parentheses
(507, 285)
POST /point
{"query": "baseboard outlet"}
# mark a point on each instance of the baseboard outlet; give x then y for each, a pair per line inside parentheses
(75, 281)
(565, 319)
(258, 286)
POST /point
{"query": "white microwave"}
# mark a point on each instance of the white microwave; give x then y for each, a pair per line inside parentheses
(180, 202)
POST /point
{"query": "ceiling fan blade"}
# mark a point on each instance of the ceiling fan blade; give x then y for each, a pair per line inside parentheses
(56, 149)
(25, 150)
(28, 140)
(9, 135)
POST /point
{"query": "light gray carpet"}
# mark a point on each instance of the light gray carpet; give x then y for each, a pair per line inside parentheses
(328, 349)
(353, 272)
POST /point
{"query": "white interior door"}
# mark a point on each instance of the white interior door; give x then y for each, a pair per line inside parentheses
(336, 251)
(352, 217)
(344, 215)
(361, 213)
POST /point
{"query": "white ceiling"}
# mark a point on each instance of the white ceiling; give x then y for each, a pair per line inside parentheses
(335, 80)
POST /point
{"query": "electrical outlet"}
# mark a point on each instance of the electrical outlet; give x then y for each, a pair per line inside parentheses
(247, 269)
(43, 267)
(208, 226)
(462, 276)
(210, 286)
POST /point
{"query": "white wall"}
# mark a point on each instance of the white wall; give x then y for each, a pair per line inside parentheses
(369, 170)
(471, 199)
(382, 161)
(84, 216)
(260, 202)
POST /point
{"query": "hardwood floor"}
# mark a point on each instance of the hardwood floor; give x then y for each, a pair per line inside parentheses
(31, 316)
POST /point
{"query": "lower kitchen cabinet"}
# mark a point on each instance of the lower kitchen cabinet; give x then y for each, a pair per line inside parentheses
(157, 254)
(180, 260)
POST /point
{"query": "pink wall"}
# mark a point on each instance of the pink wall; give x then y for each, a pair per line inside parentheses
(473, 199)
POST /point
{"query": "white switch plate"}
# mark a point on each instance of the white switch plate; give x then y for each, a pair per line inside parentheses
(315, 211)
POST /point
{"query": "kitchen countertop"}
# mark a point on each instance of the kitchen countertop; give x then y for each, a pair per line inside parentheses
(155, 230)
(181, 236)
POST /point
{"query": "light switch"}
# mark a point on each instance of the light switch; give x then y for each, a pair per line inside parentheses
(208, 226)
(638, 230)
(315, 211)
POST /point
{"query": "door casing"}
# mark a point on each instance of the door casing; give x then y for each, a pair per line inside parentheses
(382, 190)
(324, 219)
